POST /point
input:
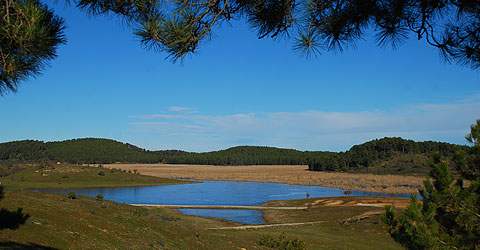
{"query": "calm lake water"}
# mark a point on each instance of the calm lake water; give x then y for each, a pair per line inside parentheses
(214, 193)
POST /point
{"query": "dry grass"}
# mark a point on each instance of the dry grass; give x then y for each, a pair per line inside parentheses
(289, 174)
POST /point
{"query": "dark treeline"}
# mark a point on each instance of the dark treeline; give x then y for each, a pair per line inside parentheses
(249, 155)
(369, 153)
(88, 150)
(92, 150)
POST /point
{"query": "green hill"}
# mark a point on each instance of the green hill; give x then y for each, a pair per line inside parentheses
(249, 155)
(87, 150)
(94, 150)
(387, 155)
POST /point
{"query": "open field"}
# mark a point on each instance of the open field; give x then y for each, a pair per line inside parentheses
(57, 222)
(23, 177)
(289, 174)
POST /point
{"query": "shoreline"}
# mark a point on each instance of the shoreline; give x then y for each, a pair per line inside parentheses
(286, 174)
(247, 207)
(116, 186)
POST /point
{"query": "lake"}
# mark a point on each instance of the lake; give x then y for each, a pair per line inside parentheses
(214, 193)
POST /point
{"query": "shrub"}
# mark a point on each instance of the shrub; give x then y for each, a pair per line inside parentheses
(168, 218)
(99, 197)
(281, 243)
(72, 195)
(161, 242)
(101, 173)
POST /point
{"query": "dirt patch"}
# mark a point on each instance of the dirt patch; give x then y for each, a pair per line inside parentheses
(334, 203)
(289, 174)
(358, 201)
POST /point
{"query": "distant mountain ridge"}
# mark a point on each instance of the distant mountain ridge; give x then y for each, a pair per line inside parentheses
(380, 152)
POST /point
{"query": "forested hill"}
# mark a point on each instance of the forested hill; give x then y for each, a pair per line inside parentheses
(386, 153)
(88, 150)
(93, 150)
(386, 156)
(250, 155)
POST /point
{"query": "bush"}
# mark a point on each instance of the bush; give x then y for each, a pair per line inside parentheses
(168, 218)
(161, 242)
(281, 243)
(101, 173)
(99, 197)
(72, 195)
(114, 170)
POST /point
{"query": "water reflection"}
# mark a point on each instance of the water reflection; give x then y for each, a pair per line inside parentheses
(213, 193)
(239, 215)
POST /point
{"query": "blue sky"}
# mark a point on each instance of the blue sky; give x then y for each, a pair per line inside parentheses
(238, 90)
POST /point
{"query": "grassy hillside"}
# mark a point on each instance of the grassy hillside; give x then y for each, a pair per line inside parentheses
(57, 222)
(23, 177)
(404, 164)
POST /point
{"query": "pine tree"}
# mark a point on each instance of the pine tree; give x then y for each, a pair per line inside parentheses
(29, 36)
(178, 27)
(449, 216)
(30, 33)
